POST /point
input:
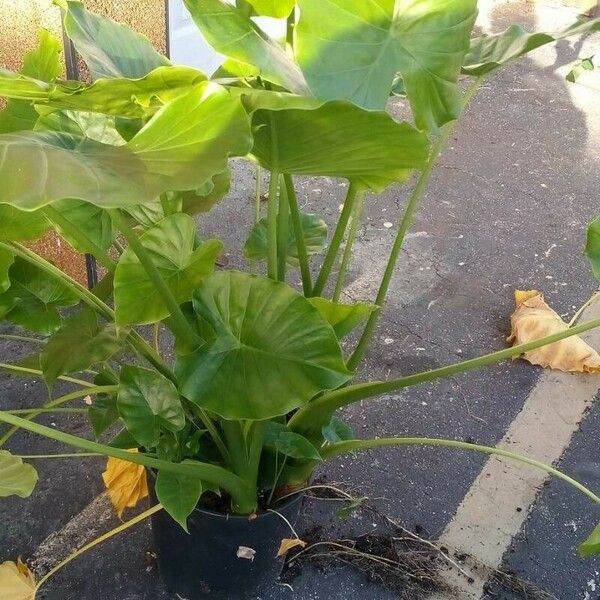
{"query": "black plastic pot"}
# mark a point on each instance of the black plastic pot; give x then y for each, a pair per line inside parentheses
(205, 563)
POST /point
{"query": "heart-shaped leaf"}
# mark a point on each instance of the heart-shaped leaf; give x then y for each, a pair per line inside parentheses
(336, 431)
(170, 244)
(591, 546)
(270, 333)
(91, 221)
(16, 477)
(233, 34)
(18, 225)
(337, 139)
(353, 49)
(131, 98)
(108, 48)
(315, 236)
(77, 345)
(182, 147)
(288, 443)
(343, 317)
(33, 299)
(179, 495)
(147, 402)
(43, 63)
(489, 52)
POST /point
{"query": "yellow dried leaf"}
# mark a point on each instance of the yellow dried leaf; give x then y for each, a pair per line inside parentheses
(287, 544)
(534, 319)
(16, 581)
(126, 483)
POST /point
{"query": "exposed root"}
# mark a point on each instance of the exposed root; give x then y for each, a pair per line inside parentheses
(400, 560)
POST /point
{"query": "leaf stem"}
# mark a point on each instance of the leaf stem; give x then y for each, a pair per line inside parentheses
(70, 455)
(38, 373)
(91, 300)
(178, 323)
(299, 235)
(283, 230)
(23, 411)
(93, 543)
(213, 474)
(409, 213)
(272, 268)
(350, 445)
(33, 413)
(318, 412)
(347, 256)
(21, 338)
(336, 241)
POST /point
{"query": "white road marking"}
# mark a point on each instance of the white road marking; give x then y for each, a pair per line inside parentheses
(497, 504)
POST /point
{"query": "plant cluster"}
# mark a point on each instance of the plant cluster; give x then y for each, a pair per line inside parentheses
(120, 166)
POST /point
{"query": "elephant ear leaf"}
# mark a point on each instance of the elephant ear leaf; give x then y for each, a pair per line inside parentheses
(233, 34)
(16, 477)
(109, 48)
(94, 343)
(315, 236)
(591, 546)
(490, 52)
(353, 49)
(344, 318)
(43, 64)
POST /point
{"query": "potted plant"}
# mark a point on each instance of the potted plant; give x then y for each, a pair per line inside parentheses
(119, 166)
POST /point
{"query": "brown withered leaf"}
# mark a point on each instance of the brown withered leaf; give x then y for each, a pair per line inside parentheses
(16, 581)
(534, 319)
(288, 543)
(126, 483)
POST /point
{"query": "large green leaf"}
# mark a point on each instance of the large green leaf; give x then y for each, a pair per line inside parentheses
(170, 244)
(278, 9)
(132, 98)
(233, 34)
(33, 299)
(268, 350)
(179, 495)
(39, 168)
(189, 140)
(103, 414)
(95, 126)
(91, 221)
(182, 147)
(148, 402)
(592, 248)
(17, 225)
(80, 343)
(353, 49)
(489, 52)
(6, 261)
(288, 443)
(16, 477)
(42, 63)
(337, 139)
(109, 48)
(344, 318)
(205, 197)
(591, 546)
(315, 236)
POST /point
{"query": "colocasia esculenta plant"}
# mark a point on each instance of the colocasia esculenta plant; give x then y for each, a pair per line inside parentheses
(121, 168)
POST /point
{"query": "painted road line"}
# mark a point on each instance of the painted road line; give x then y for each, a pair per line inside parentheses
(499, 501)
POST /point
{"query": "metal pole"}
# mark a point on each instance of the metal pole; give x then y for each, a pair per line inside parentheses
(72, 66)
